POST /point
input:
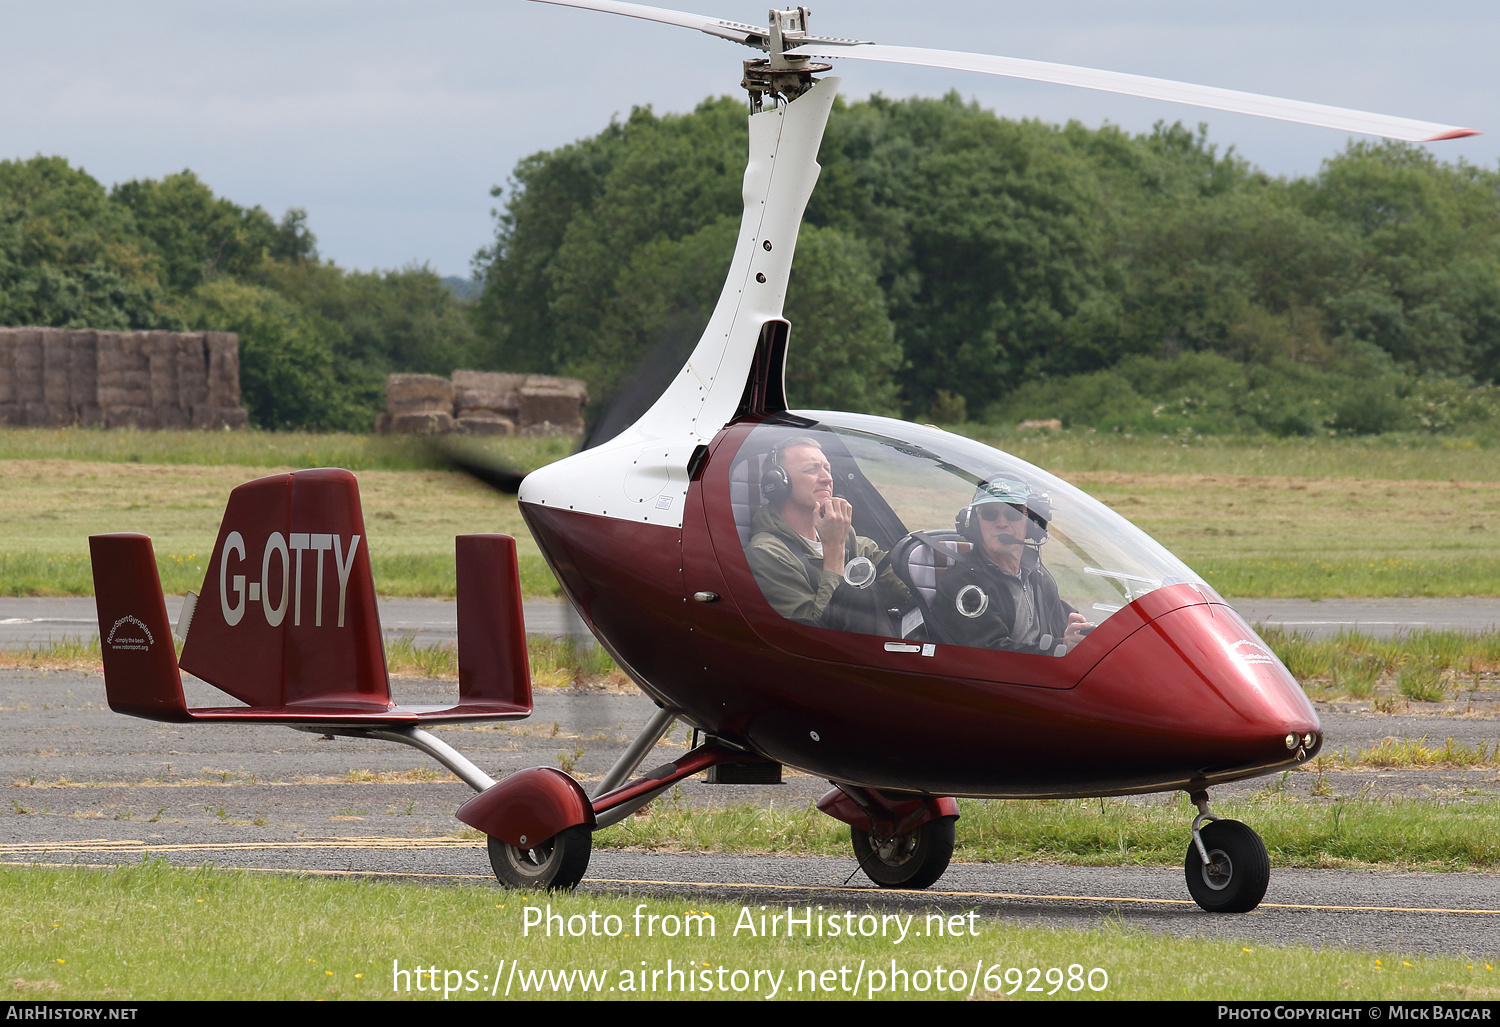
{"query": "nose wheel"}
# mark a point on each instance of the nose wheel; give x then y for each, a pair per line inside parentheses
(914, 860)
(1227, 868)
(556, 864)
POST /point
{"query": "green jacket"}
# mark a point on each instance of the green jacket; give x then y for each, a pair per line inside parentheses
(792, 578)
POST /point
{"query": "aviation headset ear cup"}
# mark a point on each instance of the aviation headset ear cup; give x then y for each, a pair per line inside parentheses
(971, 601)
(967, 525)
(1239, 871)
(557, 864)
(774, 479)
(860, 572)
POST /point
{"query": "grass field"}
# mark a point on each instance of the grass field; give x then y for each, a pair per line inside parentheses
(1419, 666)
(1400, 458)
(1415, 458)
(1320, 832)
(1305, 518)
(50, 507)
(155, 932)
(263, 449)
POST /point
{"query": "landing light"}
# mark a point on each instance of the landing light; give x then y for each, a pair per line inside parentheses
(1291, 741)
(1308, 739)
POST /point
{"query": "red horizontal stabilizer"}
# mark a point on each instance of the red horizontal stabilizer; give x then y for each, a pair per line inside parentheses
(287, 614)
(492, 663)
(287, 621)
(140, 662)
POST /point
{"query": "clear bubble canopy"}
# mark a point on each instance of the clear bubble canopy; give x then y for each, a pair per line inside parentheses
(908, 483)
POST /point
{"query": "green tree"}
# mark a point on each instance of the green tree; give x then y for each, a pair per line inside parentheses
(389, 321)
(69, 257)
(196, 236)
(577, 217)
(291, 375)
(842, 354)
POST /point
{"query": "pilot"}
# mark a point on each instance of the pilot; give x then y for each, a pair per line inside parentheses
(998, 595)
(810, 565)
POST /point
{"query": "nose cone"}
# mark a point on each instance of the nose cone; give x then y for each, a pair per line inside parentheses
(1199, 682)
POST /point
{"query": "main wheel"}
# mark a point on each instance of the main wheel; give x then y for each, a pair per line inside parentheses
(557, 864)
(913, 860)
(1235, 878)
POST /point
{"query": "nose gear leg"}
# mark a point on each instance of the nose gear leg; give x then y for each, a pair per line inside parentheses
(1205, 815)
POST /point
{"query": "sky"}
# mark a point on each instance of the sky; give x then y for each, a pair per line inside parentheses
(390, 120)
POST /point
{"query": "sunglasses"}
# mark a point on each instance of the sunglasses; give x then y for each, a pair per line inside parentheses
(994, 511)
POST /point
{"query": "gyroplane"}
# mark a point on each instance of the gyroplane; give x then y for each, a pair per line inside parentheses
(907, 613)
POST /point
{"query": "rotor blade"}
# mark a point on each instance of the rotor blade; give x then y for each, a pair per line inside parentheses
(739, 32)
(1340, 118)
(461, 458)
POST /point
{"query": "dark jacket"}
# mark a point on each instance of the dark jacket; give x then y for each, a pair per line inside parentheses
(992, 629)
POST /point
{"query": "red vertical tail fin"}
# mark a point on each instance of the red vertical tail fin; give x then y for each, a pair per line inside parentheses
(140, 660)
(287, 615)
(492, 663)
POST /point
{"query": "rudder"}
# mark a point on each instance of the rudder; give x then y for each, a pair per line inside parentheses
(135, 637)
(287, 614)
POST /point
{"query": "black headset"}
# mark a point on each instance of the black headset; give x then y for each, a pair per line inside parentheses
(774, 479)
(967, 525)
(1038, 516)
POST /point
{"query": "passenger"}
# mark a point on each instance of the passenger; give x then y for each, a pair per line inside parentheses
(804, 542)
(998, 595)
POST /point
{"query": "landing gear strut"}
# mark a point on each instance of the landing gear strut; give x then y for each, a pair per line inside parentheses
(1227, 868)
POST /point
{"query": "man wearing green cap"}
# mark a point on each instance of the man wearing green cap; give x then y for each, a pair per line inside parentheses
(998, 595)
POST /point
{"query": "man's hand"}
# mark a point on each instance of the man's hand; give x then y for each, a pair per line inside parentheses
(833, 519)
(1078, 625)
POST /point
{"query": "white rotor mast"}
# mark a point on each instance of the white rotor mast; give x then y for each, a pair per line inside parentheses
(789, 46)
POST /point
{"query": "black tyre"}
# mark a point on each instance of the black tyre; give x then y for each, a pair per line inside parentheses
(557, 864)
(913, 860)
(1238, 871)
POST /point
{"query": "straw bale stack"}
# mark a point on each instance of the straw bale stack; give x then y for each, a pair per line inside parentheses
(56, 376)
(55, 408)
(26, 371)
(482, 403)
(125, 380)
(222, 408)
(10, 403)
(547, 404)
(417, 403)
(487, 402)
(83, 377)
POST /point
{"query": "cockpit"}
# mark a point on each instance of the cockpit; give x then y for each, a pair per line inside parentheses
(955, 543)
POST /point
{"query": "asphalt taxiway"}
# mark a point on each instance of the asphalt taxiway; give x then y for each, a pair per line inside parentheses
(90, 787)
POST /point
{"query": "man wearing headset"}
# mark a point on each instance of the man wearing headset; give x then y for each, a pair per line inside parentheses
(810, 565)
(998, 595)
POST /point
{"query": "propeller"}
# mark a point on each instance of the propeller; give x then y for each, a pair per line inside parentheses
(621, 408)
(789, 43)
(502, 479)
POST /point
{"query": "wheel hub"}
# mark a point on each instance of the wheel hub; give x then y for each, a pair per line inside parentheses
(897, 850)
(1219, 870)
(530, 862)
